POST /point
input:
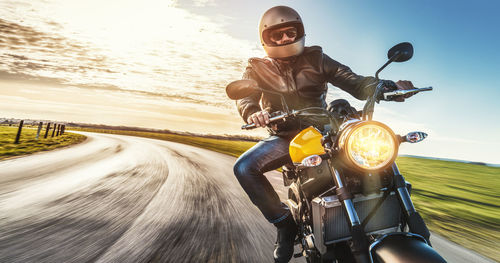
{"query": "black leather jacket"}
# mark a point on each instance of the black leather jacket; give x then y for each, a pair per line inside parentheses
(303, 83)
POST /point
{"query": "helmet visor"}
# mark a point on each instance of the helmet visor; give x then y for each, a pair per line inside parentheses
(292, 31)
(277, 35)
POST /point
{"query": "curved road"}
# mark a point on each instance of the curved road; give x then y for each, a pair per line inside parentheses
(128, 199)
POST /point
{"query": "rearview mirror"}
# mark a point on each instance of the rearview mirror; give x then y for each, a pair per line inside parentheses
(401, 52)
(240, 89)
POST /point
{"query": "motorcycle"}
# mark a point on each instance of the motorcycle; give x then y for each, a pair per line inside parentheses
(346, 194)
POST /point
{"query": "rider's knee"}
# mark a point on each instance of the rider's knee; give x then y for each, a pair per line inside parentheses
(243, 168)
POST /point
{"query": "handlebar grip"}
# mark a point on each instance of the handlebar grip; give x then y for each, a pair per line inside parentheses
(403, 92)
(271, 120)
(248, 126)
(425, 89)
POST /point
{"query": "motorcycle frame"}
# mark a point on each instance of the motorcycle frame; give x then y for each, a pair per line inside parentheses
(361, 245)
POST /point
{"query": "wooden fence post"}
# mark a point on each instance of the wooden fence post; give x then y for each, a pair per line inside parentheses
(18, 136)
(54, 130)
(47, 130)
(39, 129)
(63, 128)
(58, 129)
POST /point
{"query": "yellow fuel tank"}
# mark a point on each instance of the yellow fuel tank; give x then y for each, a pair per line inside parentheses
(306, 143)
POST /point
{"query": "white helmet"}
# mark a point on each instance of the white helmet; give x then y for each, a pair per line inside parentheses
(278, 17)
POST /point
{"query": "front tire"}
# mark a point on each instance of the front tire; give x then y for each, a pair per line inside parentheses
(404, 248)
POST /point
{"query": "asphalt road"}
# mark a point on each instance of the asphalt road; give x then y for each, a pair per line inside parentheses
(128, 199)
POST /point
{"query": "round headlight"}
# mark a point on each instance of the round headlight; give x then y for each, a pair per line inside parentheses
(369, 145)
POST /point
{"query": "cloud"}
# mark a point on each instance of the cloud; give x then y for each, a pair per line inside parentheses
(202, 3)
(151, 47)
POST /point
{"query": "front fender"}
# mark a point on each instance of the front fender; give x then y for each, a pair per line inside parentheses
(403, 248)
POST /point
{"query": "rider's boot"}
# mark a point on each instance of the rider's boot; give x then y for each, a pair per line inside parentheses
(287, 230)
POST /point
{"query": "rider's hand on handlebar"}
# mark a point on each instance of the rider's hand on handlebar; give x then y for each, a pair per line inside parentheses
(260, 118)
(404, 85)
(400, 85)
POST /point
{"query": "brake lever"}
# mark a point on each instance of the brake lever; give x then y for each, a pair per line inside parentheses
(271, 120)
(293, 113)
(404, 92)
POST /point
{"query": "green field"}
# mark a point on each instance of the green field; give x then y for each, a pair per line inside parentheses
(28, 143)
(458, 201)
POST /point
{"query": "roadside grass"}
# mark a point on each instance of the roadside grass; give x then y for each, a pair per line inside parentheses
(28, 144)
(458, 200)
(230, 147)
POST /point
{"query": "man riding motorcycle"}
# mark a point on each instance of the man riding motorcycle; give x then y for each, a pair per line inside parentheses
(301, 75)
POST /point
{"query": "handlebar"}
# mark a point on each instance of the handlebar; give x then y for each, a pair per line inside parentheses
(370, 102)
(271, 120)
(293, 113)
(367, 110)
(387, 95)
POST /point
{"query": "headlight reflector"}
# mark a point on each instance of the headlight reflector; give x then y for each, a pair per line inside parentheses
(369, 145)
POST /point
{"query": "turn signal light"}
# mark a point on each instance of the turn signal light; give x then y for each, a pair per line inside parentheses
(311, 161)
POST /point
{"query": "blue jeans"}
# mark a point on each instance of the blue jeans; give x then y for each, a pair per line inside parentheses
(266, 155)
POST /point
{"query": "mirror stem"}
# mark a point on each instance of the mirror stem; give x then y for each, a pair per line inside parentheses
(396, 56)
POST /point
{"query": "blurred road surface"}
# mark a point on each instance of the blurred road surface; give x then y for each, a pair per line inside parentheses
(127, 199)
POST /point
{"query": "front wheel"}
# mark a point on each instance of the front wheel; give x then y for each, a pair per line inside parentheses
(402, 248)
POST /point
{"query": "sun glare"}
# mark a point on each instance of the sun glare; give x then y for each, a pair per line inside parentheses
(150, 46)
(149, 50)
(123, 25)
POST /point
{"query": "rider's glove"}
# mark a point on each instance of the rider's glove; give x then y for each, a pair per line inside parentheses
(387, 86)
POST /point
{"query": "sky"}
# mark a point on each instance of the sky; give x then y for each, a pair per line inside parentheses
(165, 64)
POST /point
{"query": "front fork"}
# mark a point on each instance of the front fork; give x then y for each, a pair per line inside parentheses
(415, 221)
(359, 240)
